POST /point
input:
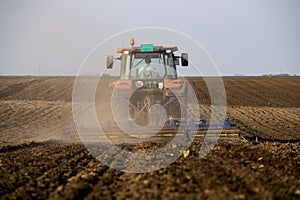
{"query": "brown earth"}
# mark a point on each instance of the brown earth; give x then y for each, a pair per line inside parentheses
(38, 109)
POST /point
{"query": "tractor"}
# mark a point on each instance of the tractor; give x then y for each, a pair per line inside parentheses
(150, 95)
(149, 91)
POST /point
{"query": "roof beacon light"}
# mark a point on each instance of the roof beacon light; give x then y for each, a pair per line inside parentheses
(131, 41)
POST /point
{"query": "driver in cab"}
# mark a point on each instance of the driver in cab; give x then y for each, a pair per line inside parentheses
(147, 71)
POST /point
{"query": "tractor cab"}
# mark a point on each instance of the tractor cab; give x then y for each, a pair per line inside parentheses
(148, 62)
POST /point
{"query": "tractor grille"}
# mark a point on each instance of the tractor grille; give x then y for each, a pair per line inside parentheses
(149, 84)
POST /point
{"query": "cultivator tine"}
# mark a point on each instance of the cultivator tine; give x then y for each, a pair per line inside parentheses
(174, 127)
(201, 129)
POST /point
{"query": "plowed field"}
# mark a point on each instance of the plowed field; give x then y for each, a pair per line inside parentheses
(35, 163)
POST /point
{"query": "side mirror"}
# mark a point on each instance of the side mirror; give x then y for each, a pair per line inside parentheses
(184, 59)
(109, 62)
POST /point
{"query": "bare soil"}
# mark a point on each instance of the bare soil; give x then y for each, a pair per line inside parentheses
(36, 164)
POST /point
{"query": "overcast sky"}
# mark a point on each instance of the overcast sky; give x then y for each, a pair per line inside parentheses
(242, 36)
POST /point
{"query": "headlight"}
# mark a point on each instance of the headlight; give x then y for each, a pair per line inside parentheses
(160, 85)
(139, 84)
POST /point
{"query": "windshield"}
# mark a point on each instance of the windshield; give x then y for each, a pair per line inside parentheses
(147, 65)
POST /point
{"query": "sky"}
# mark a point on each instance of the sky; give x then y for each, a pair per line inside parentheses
(249, 37)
